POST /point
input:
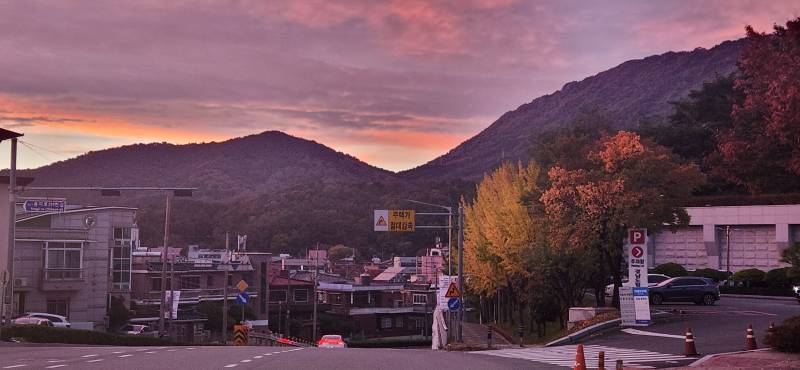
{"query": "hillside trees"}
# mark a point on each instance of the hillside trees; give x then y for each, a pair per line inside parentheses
(763, 146)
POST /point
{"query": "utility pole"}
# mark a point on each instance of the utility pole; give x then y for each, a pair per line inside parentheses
(460, 338)
(449, 243)
(172, 329)
(164, 253)
(225, 291)
(12, 222)
(728, 248)
(316, 277)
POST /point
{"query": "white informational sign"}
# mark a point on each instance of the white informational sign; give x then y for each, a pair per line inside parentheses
(637, 257)
(381, 220)
(626, 306)
(173, 298)
(641, 304)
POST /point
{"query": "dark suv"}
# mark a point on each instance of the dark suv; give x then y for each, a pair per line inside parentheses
(685, 289)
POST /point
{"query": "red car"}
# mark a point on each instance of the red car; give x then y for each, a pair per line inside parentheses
(331, 341)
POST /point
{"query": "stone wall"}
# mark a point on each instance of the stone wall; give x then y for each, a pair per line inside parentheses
(684, 246)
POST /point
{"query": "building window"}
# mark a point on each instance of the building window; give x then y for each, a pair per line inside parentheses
(277, 296)
(300, 295)
(420, 299)
(386, 323)
(58, 306)
(63, 260)
(190, 282)
(419, 322)
(398, 322)
(125, 239)
(335, 298)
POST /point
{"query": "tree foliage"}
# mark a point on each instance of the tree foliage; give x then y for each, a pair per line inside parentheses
(763, 145)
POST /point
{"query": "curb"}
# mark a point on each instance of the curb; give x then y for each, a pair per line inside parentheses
(747, 296)
(574, 337)
(709, 357)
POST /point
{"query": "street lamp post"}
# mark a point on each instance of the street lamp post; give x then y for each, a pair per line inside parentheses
(8, 287)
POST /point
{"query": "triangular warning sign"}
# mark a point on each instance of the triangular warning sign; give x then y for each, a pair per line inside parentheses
(381, 222)
(452, 291)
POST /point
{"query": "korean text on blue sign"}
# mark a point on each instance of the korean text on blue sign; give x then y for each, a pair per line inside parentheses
(44, 205)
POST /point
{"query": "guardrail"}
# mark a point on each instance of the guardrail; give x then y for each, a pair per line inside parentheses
(277, 340)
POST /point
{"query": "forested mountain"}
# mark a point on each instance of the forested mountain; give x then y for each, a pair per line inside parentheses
(288, 193)
(624, 95)
(255, 164)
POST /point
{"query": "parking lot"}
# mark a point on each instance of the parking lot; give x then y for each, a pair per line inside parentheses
(718, 328)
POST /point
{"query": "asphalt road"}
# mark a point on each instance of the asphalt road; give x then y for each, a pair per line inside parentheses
(717, 329)
(220, 358)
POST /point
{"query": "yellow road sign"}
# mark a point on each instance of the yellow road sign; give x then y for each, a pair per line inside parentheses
(452, 291)
(401, 220)
(242, 285)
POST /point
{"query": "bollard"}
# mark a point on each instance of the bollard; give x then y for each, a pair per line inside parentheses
(689, 349)
(520, 332)
(750, 339)
(580, 359)
(771, 327)
(619, 365)
(601, 361)
(489, 337)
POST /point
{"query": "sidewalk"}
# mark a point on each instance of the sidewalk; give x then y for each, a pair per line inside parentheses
(475, 334)
(765, 359)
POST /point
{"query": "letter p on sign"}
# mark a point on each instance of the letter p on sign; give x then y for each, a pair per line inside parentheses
(637, 236)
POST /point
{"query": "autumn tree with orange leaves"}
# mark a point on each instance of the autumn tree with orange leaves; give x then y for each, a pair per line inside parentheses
(628, 183)
(763, 146)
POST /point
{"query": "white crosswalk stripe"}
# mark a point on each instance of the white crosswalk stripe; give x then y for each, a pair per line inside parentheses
(565, 355)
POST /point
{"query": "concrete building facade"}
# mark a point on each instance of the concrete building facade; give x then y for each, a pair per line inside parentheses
(71, 263)
(758, 235)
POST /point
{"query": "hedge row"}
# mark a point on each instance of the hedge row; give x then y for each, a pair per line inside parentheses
(45, 334)
(786, 336)
(776, 278)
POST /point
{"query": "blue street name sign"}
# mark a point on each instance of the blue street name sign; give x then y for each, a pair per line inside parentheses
(453, 304)
(44, 205)
(241, 298)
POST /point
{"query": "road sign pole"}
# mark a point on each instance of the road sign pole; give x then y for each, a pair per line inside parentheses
(164, 253)
(460, 338)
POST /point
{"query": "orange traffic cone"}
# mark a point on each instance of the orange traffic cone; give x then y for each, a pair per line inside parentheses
(689, 348)
(750, 340)
(580, 360)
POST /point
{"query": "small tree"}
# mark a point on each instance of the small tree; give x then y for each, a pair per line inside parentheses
(118, 314)
(791, 256)
(670, 269)
(339, 252)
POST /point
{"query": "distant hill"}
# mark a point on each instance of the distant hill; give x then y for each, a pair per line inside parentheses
(626, 94)
(267, 162)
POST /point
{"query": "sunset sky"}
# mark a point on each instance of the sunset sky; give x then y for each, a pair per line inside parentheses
(394, 83)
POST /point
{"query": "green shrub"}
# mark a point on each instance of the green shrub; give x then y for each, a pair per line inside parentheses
(44, 334)
(749, 277)
(712, 274)
(670, 269)
(786, 336)
(778, 278)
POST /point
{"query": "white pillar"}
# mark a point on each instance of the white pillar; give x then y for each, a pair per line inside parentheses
(711, 243)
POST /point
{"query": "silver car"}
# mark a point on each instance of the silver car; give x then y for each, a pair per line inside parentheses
(57, 320)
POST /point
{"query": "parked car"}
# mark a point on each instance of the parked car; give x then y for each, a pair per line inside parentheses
(27, 320)
(331, 341)
(685, 289)
(652, 280)
(57, 320)
(135, 329)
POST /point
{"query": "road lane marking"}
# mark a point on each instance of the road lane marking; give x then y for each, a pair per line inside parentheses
(142, 349)
(258, 357)
(123, 356)
(14, 366)
(190, 348)
(95, 360)
(52, 361)
(246, 360)
(171, 350)
(150, 352)
(232, 365)
(54, 366)
(652, 334)
(87, 356)
(118, 352)
(565, 355)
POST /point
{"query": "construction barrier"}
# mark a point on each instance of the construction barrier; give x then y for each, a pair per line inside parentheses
(240, 337)
(750, 339)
